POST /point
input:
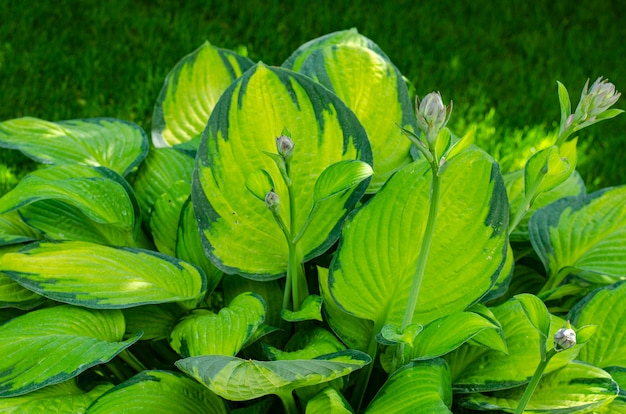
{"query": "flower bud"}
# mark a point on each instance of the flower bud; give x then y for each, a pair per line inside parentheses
(272, 202)
(595, 100)
(564, 338)
(284, 146)
(432, 115)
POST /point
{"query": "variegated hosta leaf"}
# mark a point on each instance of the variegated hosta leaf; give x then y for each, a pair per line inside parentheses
(99, 276)
(159, 392)
(51, 345)
(154, 321)
(577, 387)
(307, 344)
(374, 89)
(77, 202)
(12, 294)
(157, 174)
(328, 400)
(476, 368)
(63, 398)
(241, 132)
(206, 333)
(241, 380)
(13, 230)
(165, 218)
(107, 142)
(372, 272)
(604, 308)
(582, 235)
(190, 92)
(418, 387)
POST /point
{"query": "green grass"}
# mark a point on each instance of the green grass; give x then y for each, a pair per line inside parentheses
(498, 61)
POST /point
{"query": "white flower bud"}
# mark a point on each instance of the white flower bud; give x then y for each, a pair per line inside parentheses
(564, 338)
(272, 202)
(284, 146)
(595, 100)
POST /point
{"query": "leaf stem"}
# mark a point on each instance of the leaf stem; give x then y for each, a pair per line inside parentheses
(532, 385)
(366, 372)
(288, 402)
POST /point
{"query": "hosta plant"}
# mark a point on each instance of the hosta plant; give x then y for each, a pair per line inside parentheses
(307, 238)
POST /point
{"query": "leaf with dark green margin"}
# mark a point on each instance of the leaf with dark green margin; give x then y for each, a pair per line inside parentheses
(618, 406)
(310, 310)
(372, 272)
(155, 321)
(102, 277)
(206, 333)
(13, 230)
(189, 247)
(107, 142)
(328, 400)
(374, 89)
(12, 294)
(74, 197)
(307, 344)
(538, 315)
(448, 333)
(191, 90)
(577, 387)
(241, 131)
(514, 182)
(51, 345)
(165, 216)
(238, 379)
(603, 307)
(582, 235)
(478, 369)
(159, 171)
(418, 387)
(66, 397)
(159, 392)
(350, 37)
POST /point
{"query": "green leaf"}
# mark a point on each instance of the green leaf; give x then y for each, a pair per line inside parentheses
(603, 307)
(577, 387)
(391, 334)
(328, 400)
(238, 379)
(340, 177)
(189, 247)
(448, 333)
(160, 170)
(76, 202)
(564, 103)
(422, 386)
(582, 235)
(372, 272)
(538, 315)
(549, 168)
(489, 338)
(107, 142)
(259, 183)
(307, 344)
(51, 345)
(310, 310)
(66, 397)
(98, 276)
(206, 333)
(159, 392)
(13, 230)
(191, 90)
(155, 321)
(242, 129)
(371, 86)
(166, 216)
(481, 369)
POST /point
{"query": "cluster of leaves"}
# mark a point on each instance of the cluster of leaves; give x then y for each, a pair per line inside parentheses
(267, 243)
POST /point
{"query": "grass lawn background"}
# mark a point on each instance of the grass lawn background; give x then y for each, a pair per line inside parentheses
(498, 61)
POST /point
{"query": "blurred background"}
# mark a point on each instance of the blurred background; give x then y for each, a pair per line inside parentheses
(498, 61)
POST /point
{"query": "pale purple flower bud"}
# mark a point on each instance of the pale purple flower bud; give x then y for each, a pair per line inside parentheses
(596, 99)
(272, 201)
(432, 114)
(284, 146)
(564, 338)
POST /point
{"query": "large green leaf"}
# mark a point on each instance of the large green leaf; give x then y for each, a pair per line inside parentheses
(582, 235)
(51, 345)
(577, 387)
(241, 380)
(158, 392)
(418, 387)
(476, 368)
(372, 273)
(373, 88)
(63, 398)
(13, 230)
(106, 142)
(77, 202)
(98, 276)
(206, 333)
(12, 294)
(241, 132)
(191, 90)
(328, 400)
(603, 307)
